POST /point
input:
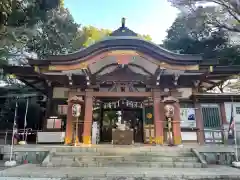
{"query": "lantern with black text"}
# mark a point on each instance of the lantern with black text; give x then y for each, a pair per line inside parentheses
(76, 110)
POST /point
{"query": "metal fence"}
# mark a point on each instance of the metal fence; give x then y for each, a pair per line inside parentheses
(211, 136)
(214, 136)
(220, 136)
(29, 135)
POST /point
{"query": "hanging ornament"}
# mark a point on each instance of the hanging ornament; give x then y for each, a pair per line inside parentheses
(118, 103)
(135, 104)
(131, 104)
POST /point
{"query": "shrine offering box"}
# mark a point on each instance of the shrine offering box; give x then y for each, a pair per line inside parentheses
(122, 137)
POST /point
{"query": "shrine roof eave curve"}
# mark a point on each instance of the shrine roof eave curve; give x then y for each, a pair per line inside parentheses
(121, 43)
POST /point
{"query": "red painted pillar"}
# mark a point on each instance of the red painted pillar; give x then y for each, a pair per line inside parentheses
(176, 128)
(69, 125)
(158, 117)
(87, 127)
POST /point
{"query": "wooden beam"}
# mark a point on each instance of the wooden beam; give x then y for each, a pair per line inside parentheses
(114, 94)
(32, 86)
(122, 94)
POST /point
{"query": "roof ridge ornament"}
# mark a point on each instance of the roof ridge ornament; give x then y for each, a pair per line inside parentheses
(123, 22)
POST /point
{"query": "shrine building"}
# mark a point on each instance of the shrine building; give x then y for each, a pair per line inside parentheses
(136, 79)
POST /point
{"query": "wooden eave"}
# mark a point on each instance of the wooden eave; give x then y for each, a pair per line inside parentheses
(29, 77)
(217, 97)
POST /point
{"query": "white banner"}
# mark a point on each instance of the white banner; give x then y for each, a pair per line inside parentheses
(187, 116)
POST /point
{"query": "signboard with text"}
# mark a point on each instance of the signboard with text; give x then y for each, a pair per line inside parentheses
(187, 116)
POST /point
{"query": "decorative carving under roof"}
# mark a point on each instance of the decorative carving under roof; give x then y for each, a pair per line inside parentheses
(170, 99)
(76, 99)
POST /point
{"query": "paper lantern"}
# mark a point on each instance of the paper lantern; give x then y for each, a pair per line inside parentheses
(76, 110)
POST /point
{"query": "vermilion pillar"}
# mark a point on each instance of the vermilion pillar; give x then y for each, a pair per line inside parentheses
(158, 117)
(177, 139)
(87, 127)
(69, 125)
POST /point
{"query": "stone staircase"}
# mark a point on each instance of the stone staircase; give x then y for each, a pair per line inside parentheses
(162, 157)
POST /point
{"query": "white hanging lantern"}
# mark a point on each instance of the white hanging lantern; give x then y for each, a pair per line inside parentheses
(76, 110)
(169, 110)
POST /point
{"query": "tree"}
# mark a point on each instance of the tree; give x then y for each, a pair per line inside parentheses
(20, 19)
(90, 35)
(197, 37)
(220, 13)
(146, 37)
(25, 12)
(93, 34)
(55, 36)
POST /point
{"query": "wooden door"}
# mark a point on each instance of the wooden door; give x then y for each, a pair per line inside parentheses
(107, 124)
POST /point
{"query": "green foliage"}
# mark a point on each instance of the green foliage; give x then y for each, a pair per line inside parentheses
(197, 37)
(8, 109)
(191, 33)
(223, 14)
(19, 20)
(25, 12)
(93, 34)
(55, 36)
(146, 37)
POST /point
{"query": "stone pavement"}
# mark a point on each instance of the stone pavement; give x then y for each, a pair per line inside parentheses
(25, 178)
(34, 171)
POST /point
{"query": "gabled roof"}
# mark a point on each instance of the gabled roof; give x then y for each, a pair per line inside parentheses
(122, 39)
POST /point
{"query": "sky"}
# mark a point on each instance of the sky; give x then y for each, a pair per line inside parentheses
(151, 17)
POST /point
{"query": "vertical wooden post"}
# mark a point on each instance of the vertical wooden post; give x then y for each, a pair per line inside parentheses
(177, 139)
(87, 128)
(48, 110)
(101, 121)
(223, 114)
(158, 120)
(69, 125)
(199, 123)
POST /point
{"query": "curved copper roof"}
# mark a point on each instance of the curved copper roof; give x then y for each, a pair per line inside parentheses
(122, 39)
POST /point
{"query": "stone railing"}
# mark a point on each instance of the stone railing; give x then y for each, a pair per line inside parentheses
(220, 158)
(219, 155)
